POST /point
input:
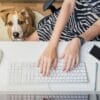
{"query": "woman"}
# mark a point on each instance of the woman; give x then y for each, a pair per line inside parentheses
(78, 21)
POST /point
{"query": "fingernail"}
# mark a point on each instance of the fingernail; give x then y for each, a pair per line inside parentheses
(69, 69)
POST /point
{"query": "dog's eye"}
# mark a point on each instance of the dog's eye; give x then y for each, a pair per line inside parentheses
(21, 22)
(10, 23)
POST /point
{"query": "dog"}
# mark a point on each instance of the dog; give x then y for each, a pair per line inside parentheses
(19, 22)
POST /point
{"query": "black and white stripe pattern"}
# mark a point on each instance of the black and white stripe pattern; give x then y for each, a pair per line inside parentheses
(86, 12)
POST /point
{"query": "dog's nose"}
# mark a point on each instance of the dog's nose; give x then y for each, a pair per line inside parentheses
(16, 34)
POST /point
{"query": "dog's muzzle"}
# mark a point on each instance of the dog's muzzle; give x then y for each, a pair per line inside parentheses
(16, 37)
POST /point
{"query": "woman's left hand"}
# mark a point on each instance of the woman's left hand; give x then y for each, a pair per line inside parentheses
(71, 54)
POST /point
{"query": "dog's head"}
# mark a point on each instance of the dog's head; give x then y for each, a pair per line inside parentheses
(20, 23)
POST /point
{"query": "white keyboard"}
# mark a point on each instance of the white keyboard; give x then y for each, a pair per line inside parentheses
(47, 97)
(28, 73)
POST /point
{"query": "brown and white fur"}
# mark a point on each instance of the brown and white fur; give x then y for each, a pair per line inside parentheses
(20, 23)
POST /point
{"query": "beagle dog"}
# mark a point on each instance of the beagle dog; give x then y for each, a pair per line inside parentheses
(19, 22)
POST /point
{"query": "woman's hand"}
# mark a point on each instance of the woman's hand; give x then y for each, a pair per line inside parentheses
(71, 54)
(48, 60)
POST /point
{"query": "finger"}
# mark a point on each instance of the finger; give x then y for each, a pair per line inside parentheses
(45, 67)
(48, 68)
(55, 63)
(41, 65)
(73, 63)
(69, 61)
(38, 64)
(65, 62)
(39, 60)
(77, 60)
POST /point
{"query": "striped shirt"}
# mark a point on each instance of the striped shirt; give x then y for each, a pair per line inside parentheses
(86, 12)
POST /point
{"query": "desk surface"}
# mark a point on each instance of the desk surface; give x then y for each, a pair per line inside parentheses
(13, 47)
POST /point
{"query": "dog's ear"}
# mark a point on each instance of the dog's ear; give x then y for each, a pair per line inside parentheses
(28, 12)
(4, 17)
(5, 12)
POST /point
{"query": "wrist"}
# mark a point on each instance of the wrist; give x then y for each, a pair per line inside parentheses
(53, 44)
(50, 46)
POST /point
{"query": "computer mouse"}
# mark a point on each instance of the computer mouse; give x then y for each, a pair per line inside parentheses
(1, 55)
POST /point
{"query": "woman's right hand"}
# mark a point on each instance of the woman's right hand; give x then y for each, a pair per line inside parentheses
(48, 60)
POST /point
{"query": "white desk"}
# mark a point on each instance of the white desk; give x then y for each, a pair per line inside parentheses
(13, 47)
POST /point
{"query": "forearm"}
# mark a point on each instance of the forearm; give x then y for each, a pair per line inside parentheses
(62, 19)
(92, 32)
